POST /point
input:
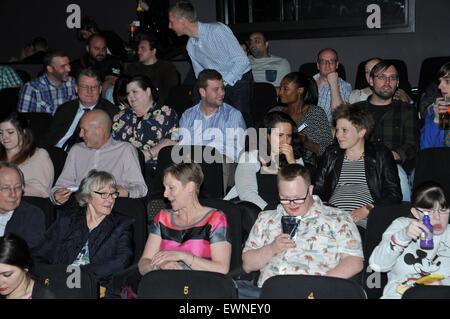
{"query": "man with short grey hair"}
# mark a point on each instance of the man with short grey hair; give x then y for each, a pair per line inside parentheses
(64, 130)
(17, 216)
(214, 46)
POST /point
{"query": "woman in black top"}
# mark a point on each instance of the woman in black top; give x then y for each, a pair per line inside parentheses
(356, 175)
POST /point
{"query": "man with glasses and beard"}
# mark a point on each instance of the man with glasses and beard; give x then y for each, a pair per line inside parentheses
(326, 242)
(47, 92)
(396, 121)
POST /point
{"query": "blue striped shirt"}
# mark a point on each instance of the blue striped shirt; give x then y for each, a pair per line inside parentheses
(42, 95)
(217, 48)
(225, 130)
(324, 102)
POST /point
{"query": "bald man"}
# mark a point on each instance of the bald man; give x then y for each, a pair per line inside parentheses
(99, 151)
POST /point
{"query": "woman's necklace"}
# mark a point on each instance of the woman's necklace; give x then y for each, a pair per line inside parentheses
(358, 159)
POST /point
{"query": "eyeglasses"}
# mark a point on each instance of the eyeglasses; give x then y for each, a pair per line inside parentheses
(106, 195)
(327, 61)
(430, 212)
(8, 189)
(86, 87)
(382, 77)
(296, 201)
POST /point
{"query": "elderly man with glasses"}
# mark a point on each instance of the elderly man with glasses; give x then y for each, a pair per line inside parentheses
(17, 216)
(326, 242)
(64, 130)
(333, 91)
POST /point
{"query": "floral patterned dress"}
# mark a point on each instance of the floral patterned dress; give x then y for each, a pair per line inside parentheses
(145, 132)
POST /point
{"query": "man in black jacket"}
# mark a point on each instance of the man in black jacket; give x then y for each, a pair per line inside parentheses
(64, 131)
(16, 216)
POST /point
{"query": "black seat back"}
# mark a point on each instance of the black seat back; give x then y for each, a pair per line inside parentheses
(186, 284)
(310, 287)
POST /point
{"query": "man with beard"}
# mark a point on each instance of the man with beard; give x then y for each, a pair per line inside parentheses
(396, 121)
(47, 92)
(109, 67)
(266, 67)
(162, 73)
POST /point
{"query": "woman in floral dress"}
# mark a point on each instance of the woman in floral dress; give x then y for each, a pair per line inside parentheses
(147, 124)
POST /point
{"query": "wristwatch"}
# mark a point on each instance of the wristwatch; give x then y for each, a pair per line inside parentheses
(369, 207)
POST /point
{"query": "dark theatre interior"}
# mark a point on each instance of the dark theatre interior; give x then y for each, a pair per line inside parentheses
(145, 225)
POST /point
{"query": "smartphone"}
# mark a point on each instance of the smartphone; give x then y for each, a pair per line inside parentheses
(429, 279)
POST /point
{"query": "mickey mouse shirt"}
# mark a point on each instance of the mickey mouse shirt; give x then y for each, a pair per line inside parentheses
(406, 262)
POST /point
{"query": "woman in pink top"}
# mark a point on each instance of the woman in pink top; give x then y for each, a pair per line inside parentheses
(188, 236)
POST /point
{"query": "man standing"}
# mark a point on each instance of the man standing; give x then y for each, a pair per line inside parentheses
(64, 131)
(265, 67)
(333, 91)
(108, 66)
(326, 242)
(396, 121)
(47, 92)
(214, 46)
(163, 74)
(100, 151)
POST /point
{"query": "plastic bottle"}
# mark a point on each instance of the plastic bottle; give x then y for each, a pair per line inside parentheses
(426, 240)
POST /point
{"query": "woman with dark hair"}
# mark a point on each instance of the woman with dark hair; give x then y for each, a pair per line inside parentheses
(147, 124)
(432, 135)
(16, 268)
(256, 173)
(117, 94)
(355, 175)
(299, 93)
(17, 146)
(399, 252)
(91, 235)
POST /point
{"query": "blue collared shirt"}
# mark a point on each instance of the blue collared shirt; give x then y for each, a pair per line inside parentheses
(217, 48)
(224, 130)
(324, 102)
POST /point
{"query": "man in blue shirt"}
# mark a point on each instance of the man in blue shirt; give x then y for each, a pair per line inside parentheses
(212, 122)
(214, 46)
(333, 91)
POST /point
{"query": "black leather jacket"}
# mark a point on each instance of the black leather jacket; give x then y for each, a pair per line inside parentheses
(381, 173)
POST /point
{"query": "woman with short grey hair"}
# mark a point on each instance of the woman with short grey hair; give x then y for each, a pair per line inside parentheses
(91, 235)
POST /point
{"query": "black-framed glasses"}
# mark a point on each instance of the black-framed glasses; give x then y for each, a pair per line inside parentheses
(296, 201)
(382, 77)
(433, 212)
(106, 195)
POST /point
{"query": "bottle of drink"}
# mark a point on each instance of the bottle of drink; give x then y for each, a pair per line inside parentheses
(426, 239)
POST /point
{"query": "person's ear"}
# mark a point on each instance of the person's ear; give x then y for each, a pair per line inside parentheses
(202, 92)
(415, 213)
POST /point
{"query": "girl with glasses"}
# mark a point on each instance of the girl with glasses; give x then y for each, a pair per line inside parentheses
(399, 252)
